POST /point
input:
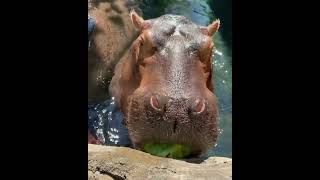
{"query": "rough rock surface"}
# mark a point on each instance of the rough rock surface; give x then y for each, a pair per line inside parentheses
(107, 162)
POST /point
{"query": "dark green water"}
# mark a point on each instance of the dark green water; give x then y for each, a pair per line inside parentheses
(203, 12)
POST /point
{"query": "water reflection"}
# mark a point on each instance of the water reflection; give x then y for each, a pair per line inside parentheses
(107, 120)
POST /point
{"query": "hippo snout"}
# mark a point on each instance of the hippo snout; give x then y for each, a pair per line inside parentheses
(158, 118)
(192, 105)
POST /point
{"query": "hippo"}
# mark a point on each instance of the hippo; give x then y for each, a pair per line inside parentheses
(110, 34)
(164, 84)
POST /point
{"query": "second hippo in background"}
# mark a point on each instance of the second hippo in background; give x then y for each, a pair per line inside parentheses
(111, 37)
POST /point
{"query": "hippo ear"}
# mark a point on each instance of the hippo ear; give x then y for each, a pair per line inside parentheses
(137, 20)
(211, 29)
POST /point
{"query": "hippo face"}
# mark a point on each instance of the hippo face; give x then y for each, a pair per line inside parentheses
(164, 85)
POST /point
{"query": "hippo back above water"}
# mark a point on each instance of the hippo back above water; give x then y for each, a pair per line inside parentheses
(164, 84)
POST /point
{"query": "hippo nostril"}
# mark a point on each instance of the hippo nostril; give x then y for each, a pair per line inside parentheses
(154, 102)
(198, 106)
(158, 102)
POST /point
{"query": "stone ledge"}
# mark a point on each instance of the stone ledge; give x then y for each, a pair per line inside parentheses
(108, 162)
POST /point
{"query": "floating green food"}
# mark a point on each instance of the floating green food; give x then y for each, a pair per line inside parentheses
(168, 150)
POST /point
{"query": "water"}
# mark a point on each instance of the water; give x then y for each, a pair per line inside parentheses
(106, 119)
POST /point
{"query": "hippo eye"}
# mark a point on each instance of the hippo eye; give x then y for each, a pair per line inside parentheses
(169, 31)
(193, 50)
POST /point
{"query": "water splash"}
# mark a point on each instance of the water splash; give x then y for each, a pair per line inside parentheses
(107, 122)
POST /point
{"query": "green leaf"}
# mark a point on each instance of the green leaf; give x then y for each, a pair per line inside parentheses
(176, 151)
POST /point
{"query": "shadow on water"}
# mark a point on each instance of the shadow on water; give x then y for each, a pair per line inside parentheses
(106, 119)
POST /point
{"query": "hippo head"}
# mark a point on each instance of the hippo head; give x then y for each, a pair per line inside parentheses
(164, 86)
